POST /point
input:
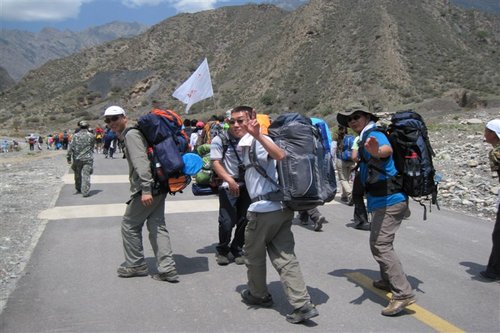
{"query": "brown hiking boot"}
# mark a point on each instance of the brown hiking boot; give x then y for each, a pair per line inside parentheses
(395, 306)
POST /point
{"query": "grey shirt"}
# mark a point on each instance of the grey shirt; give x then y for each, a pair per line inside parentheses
(230, 158)
(140, 177)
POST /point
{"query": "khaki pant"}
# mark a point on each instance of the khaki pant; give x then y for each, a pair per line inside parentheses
(344, 170)
(385, 223)
(135, 216)
(272, 232)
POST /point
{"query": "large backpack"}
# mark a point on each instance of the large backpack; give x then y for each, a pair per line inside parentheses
(167, 142)
(346, 153)
(412, 154)
(306, 177)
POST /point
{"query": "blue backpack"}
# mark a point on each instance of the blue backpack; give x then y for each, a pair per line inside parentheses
(346, 153)
(167, 151)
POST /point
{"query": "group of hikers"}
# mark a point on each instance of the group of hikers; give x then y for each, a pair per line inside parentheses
(250, 224)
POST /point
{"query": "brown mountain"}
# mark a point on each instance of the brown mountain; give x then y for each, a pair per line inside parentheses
(312, 60)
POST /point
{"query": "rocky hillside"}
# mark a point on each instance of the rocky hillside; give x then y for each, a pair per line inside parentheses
(22, 51)
(312, 60)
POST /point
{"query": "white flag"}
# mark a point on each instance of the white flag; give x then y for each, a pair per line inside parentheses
(198, 87)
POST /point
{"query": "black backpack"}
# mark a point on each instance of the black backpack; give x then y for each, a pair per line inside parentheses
(412, 154)
(306, 176)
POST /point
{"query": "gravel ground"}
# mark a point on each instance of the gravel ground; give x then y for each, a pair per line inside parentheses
(29, 184)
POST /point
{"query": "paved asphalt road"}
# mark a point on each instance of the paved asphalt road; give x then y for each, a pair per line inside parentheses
(70, 283)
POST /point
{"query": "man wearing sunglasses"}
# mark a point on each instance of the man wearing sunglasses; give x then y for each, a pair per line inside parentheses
(227, 162)
(386, 201)
(142, 207)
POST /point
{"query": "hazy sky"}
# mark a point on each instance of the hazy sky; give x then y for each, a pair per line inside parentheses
(76, 15)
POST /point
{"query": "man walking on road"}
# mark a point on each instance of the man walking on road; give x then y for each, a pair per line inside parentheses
(269, 229)
(386, 201)
(81, 152)
(143, 206)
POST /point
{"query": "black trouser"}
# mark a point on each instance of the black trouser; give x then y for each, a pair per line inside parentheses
(313, 213)
(232, 212)
(358, 193)
(494, 261)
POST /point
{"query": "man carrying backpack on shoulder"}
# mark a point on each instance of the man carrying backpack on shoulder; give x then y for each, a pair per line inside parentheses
(386, 201)
(142, 207)
(227, 162)
(269, 229)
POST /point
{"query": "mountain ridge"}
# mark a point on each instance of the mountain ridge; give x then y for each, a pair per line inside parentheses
(311, 60)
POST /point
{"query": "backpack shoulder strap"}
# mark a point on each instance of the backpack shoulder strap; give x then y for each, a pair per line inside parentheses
(254, 163)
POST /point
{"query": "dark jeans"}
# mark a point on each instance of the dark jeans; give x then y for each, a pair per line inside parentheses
(232, 212)
(494, 261)
(358, 192)
(313, 213)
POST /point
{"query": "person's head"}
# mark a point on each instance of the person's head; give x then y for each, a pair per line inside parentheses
(187, 122)
(200, 125)
(356, 117)
(83, 124)
(492, 132)
(193, 122)
(240, 115)
(115, 118)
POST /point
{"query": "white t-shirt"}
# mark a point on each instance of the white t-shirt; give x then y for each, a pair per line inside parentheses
(256, 183)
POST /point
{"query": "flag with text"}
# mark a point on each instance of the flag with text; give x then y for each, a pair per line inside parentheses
(197, 88)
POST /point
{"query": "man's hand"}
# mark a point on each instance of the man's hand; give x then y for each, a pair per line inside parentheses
(253, 127)
(234, 188)
(371, 146)
(147, 199)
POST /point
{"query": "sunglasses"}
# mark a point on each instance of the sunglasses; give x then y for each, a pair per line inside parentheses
(353, 117)
(107, 120)
(234, 121)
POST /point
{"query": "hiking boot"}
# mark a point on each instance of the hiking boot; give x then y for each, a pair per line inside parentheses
(126, 272)
(250, 299)
(305, 312)
(319, 223)
(395, 306)
(304, 220)
(170, 276)
(490, 276)
(382, 284)
(221, 259)
(239, 260)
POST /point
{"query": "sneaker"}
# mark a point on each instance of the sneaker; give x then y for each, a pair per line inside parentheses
(250, 299)
(221, 259)
(126, 272)
(490, 276)
(170, 276)
(319, 224)
(395, 306)
(344, 199)
(382, 284)
(305, 312)
(239, 260)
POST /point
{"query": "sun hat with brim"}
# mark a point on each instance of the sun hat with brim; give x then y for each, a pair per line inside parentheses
(343, 116)
(114, 111)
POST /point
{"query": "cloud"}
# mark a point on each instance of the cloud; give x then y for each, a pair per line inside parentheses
(40, 10)
(190, 6)
(60, 10)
